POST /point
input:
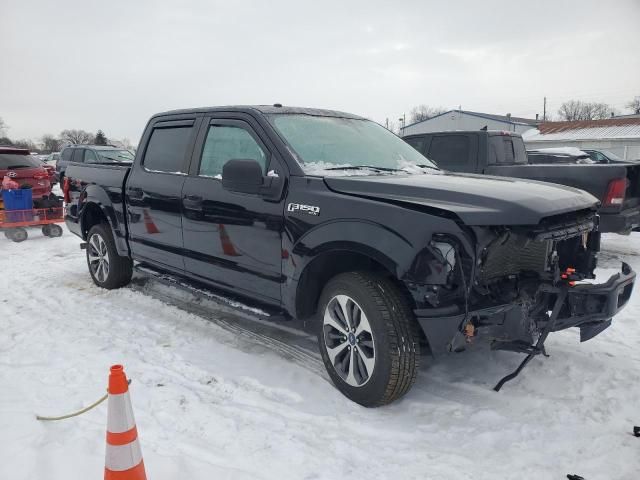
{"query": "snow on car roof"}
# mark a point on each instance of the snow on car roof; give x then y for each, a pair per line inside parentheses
(572, 151)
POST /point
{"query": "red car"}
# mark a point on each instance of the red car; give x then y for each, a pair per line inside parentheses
(22, 168)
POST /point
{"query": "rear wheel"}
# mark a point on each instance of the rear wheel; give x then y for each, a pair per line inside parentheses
(108, 269)
(45, 230)
(17, 234)
(368, 338)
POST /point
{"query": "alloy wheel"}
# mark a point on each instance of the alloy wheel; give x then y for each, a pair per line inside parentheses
(98, 258)
(349, 340)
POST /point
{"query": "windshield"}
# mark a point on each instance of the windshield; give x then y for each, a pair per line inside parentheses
(612, 156)
(329, 144)
(12, 160)
(115, 155)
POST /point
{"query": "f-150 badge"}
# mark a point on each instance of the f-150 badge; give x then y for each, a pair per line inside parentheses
(298, 207)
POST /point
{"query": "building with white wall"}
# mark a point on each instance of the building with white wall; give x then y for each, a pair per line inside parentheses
(618, 135)
(465, 120)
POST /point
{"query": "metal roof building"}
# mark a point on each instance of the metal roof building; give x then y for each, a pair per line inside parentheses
(618, 135)
(466, 120)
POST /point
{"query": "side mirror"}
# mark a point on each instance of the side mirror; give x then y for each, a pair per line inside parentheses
(245, 176)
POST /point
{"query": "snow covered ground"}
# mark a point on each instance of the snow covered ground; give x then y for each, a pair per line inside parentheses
(210, 403)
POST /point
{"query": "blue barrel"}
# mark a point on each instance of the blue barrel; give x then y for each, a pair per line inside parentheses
(18, 200)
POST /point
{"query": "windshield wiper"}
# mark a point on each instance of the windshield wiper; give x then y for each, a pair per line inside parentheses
(366, 167)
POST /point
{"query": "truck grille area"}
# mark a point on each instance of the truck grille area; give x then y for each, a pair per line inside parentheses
(514, 256)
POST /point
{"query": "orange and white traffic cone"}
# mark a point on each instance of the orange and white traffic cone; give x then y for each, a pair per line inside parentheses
(148, 223)
(227, 245)
(123, 459)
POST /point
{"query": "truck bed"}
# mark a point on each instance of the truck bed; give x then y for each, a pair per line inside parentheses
(594, 179)
(591, 178)
(104, 184)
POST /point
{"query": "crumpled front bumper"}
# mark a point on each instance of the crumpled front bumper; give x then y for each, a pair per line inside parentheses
(589, 307)
(592, 306)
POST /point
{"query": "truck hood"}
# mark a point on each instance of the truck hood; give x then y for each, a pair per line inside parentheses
(475, 199)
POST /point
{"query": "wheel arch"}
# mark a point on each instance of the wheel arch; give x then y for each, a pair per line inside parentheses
(334, 260)
(96, 207)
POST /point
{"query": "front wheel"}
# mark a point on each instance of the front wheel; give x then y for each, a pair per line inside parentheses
(55, 231)
(108, 269)
(368, 338)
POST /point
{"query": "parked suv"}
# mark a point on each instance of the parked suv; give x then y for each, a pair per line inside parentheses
(21, 167)
(100, 154)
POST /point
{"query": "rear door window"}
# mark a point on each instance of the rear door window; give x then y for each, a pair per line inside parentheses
(452, 152)
(167, 148)
(89, 156)
(78, 155)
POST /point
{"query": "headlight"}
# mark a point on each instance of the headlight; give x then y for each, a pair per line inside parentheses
(448, 253)
(433, 264)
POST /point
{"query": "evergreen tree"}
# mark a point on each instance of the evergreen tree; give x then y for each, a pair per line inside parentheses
(100, 139)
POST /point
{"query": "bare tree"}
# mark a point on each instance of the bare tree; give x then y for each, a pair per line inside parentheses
(424, 112)
(633, 105)
(50, 143)
(76, 137)
(579, 110)
(25, 143)
(3, 127)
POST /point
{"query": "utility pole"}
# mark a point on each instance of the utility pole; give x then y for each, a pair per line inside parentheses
(544, 110)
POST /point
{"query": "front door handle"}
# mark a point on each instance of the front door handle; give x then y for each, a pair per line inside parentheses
(135, 193)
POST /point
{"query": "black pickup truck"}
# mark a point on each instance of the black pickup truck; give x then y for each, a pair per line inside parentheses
(617, 186)
(331, 219)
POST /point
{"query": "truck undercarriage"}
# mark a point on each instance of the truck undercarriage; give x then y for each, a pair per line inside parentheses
(518, 285)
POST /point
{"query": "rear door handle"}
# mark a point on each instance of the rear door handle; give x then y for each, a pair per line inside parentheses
(193, 202)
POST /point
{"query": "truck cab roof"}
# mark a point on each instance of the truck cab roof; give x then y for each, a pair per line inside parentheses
(262, 109)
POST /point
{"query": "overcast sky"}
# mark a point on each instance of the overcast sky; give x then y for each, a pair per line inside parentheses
(110, 65)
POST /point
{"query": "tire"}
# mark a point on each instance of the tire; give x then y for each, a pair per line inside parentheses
(116, 272)
(386, 352)
(46, 230)
(17, 234)
(55, 231)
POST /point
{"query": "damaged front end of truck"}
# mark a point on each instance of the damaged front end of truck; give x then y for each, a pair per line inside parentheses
(515, 284)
